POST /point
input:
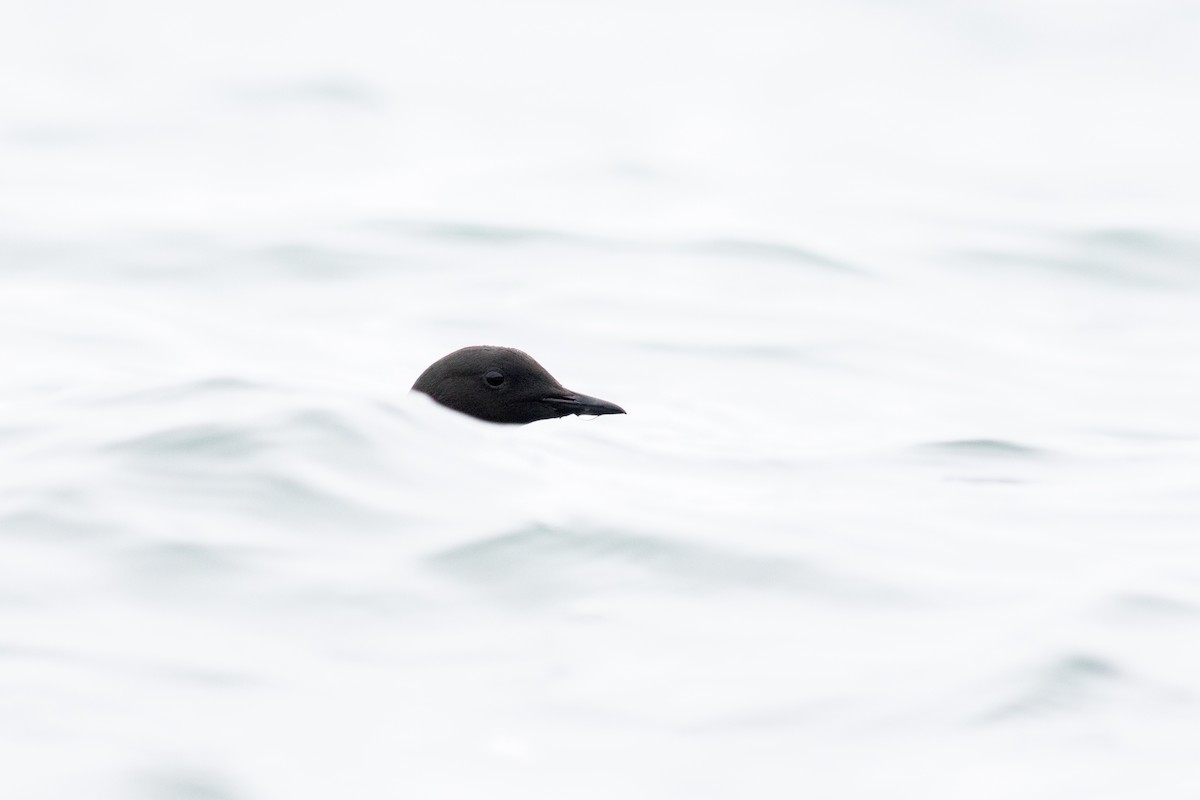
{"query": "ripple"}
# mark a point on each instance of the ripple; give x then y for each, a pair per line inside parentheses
(1061, 686)
(328, 425)
(1141, 607)
(771, 251)
(330, 91)
(219, 441)
(188, 390)
(728, 350)
(184, 784)
(167, 562)
(46, 525)
(474, 233)
(319, 432)
(305, 260)
(272, 496)
(540, 562)
(14, 434)
(983, 448)
(1124, 256)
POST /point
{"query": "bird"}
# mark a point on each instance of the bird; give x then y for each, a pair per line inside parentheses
(503, 385)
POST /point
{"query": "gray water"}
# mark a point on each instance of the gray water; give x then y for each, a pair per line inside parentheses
(903, 302)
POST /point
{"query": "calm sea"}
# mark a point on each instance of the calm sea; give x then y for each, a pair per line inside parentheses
(903, 301)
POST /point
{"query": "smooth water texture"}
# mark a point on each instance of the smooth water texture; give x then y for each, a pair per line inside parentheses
(903, 301)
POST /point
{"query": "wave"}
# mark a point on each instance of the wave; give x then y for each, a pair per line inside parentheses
(542, 562)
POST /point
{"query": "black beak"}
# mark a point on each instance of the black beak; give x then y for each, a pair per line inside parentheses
(578, 404)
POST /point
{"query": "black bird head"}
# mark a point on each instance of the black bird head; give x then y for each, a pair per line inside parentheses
(501, 384)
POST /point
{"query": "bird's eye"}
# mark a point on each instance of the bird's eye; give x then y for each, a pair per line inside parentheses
(494, 379)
